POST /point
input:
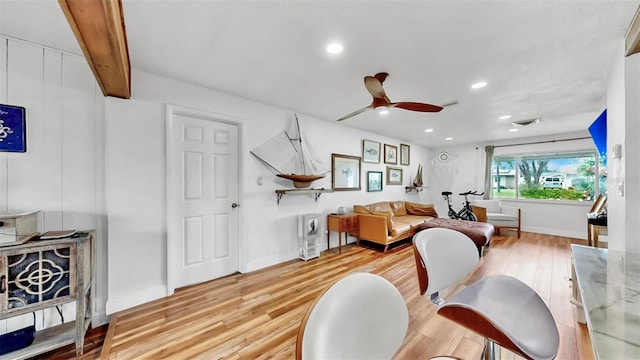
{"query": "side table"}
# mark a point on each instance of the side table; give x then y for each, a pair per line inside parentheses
(342, 223)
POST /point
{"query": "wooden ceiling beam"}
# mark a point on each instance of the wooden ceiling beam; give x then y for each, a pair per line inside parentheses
(99, 27)
(632, 39)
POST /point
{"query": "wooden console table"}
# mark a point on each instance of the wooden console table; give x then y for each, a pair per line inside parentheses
(340, 223)
(41, 274)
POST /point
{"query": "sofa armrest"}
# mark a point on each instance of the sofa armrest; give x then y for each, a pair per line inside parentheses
(481, 212)
(373, 227)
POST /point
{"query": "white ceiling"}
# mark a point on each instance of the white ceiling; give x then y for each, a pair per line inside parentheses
(546, 59)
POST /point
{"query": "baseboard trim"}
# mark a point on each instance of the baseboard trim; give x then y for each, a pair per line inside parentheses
(556, 232)
(135, 299)
(273, 260)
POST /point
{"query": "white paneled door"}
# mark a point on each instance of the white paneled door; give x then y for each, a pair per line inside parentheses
(202, 195)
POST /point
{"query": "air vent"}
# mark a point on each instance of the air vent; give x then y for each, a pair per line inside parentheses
(529, 122)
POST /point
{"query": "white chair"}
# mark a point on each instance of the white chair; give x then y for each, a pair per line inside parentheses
(502, 309)
(496, 214)
(361, 316)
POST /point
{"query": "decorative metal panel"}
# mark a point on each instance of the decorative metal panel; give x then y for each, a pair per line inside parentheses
(36, 277)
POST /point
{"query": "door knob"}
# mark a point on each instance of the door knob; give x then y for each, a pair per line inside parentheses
(234, 205)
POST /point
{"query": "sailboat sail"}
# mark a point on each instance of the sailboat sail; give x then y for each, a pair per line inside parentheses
(291, 157)
(278, 153)
(418, 181)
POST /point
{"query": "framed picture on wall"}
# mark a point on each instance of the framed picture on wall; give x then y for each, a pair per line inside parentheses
(394, 175)
(374, 181)
(345, 172)
(13, 128)
(405, 154)
(390, 154)
(370, 151)
(309, 226)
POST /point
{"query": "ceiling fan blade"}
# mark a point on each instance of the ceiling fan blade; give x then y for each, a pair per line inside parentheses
(374, 86)
(416, 106)
(355, 113)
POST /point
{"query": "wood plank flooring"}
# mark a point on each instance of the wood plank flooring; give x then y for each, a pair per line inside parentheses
(257, 315)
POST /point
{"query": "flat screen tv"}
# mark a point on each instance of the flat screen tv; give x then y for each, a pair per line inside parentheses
(598, 132)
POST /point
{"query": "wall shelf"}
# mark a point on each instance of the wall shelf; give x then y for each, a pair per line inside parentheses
(407, 189)
(316, 192)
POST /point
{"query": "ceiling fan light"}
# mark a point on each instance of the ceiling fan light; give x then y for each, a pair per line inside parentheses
(479, 85)
(383, 110)
(334, 48)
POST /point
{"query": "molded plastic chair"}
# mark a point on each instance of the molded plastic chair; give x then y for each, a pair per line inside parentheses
(502, 309)
(361, 316)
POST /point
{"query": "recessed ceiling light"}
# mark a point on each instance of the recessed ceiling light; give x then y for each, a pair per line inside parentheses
(513, 130)
(479, 85)
(505, 117)
(449, 138)
(428, 130)
(334, 48)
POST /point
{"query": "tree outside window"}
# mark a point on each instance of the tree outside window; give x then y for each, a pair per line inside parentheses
(504, 177)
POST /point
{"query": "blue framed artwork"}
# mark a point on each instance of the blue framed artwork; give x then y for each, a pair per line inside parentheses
(13, 129)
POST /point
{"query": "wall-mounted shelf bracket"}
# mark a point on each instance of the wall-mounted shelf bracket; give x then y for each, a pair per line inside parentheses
(316, 192)
(407, 189)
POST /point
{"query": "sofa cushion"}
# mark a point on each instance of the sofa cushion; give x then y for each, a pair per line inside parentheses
(384, 206)
(421, 209)
(398, 208)
(492, 206)
(414, 220)
(400, 226)
(360, 209)
(499, 219)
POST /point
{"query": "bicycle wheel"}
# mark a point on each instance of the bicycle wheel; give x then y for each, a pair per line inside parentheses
(469, 216)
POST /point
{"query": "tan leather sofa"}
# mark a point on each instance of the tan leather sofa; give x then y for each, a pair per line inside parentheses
(390, 221)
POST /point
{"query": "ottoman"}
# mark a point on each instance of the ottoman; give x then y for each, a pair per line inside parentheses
(479, 232)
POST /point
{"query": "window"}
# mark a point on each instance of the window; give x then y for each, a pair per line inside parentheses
(562, 176)
(504, 176)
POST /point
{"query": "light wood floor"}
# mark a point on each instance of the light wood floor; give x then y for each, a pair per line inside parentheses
(257, 315)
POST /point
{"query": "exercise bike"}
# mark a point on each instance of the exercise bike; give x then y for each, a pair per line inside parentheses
(466, 213)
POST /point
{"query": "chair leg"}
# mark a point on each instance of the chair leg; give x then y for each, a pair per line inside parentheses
(491, 350)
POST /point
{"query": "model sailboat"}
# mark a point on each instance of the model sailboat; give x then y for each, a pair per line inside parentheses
(291, 157)
(418, 181)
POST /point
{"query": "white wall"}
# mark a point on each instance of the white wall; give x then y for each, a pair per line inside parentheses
(632, 154)
(623, 127)
(61, 172)
(135, 182)
(616, 135)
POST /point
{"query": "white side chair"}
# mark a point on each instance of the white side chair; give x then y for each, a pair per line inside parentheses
(496, 214)
(361, 316)
(502, 309)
